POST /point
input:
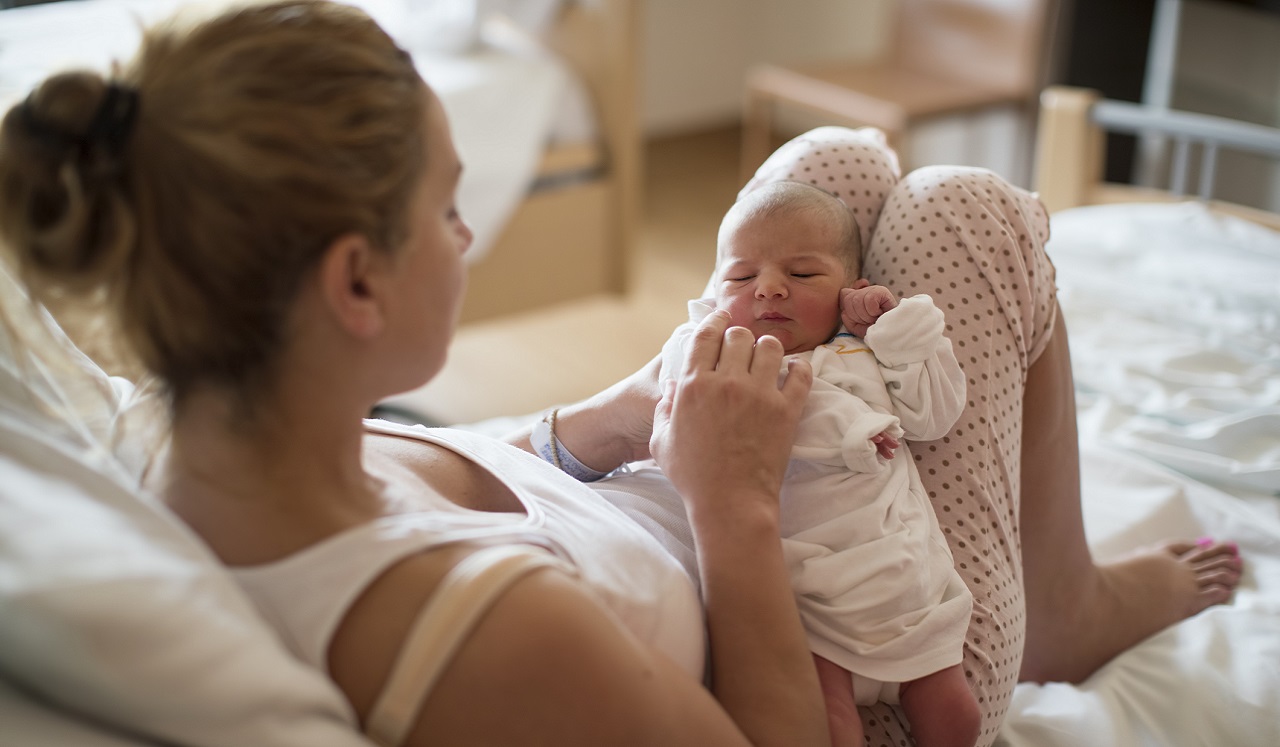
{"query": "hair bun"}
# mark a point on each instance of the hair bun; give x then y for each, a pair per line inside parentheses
(62, 208)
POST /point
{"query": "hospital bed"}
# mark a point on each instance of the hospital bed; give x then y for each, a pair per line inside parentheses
(1172, 302)
(542, 96)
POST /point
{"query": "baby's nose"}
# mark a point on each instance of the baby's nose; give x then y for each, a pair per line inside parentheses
(771, 286)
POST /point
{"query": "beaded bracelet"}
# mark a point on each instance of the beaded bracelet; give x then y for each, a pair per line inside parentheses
(550, 449)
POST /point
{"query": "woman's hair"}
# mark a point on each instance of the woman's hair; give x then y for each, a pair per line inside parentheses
(199, 186)
(780, 199)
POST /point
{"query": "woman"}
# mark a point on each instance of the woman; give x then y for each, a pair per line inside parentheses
(268, 201)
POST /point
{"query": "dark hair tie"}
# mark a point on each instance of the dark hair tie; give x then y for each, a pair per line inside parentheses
(110, 127)
(113, 122)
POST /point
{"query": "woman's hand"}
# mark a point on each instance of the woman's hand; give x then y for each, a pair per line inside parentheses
(722, 433)
(862, 304)
(723, 429)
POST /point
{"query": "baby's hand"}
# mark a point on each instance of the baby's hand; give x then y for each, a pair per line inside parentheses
(862, 304)
(885, 444)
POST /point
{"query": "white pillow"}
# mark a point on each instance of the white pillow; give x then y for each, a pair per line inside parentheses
(28, 722)
(436, 27)
(109, 606)
(43, 374)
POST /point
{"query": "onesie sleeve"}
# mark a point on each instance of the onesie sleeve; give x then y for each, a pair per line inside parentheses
(845, 408)
(836, 429)
(919, 367)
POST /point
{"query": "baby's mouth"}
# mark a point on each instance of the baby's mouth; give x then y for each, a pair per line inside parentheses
(773, 316)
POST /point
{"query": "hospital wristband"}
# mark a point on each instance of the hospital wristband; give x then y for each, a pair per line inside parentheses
(546, 445)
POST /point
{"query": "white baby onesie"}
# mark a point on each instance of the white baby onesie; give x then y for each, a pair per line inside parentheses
(871, 570)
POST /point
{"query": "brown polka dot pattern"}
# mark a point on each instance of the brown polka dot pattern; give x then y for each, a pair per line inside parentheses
(854, 165)
(976, 245)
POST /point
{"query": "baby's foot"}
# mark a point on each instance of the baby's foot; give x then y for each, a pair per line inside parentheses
(1134, 597)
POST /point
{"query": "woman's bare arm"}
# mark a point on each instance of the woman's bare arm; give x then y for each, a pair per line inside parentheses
(611, 427)
(722, 434)
(547, 664)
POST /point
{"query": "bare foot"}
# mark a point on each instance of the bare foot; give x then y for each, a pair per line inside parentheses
(1128, 599)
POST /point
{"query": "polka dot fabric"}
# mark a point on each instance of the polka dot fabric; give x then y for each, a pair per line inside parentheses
(976, 245)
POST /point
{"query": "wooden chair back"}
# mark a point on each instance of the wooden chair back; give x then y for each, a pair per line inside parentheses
(999, 42)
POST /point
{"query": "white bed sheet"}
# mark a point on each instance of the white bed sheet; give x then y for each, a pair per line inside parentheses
(507, 99)
(1174, 316)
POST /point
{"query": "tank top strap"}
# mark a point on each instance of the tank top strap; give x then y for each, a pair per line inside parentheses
(462, 598)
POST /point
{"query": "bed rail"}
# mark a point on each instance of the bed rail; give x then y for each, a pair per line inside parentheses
(1070, 149)
(1187, 129)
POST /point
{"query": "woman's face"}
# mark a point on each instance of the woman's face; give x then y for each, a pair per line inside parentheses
(431, 274)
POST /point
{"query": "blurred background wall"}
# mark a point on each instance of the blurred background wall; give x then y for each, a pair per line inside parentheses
(1227, 63)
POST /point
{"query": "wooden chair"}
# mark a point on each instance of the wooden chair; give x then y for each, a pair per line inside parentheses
(947, 57)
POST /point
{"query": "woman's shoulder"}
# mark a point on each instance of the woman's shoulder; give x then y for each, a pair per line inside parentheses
(529, 664)
(385, 621)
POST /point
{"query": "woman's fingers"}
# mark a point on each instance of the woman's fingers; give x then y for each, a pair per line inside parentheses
(766, 360)
(719, 346)
(707, 340)
(724, 429)
(738, 351)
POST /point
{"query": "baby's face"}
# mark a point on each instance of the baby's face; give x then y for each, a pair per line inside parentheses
(781, 277)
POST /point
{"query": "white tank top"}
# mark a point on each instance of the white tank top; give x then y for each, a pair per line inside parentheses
(305, 595)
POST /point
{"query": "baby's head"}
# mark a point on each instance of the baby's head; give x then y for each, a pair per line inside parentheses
(783, 253)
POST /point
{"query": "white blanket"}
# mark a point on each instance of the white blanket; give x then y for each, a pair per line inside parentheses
(1174, 316)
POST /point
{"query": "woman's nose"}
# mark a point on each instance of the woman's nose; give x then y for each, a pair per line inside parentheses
(465, 235)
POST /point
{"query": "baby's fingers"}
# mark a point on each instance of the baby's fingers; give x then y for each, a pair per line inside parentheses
(858, 304)
(882, 298)
(885, 444)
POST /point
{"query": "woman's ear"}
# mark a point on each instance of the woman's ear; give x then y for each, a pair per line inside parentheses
(350, 277)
